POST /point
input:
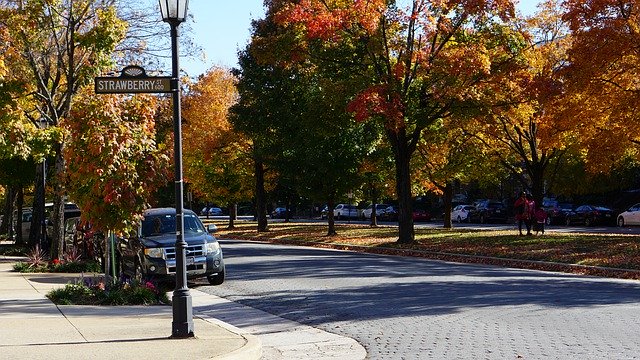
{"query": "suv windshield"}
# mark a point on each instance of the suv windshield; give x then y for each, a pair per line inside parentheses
(166, 224)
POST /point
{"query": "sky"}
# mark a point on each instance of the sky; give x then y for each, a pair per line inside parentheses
(222, 28)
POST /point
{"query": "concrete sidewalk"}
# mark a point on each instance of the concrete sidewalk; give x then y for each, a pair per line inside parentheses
(32, 327)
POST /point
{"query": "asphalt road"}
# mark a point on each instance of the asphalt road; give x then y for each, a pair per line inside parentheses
(408, 308)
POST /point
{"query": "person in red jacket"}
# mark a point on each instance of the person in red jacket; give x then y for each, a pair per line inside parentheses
(523, 213)
(541, 218)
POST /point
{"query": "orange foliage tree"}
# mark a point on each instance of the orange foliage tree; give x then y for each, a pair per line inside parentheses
(528, 134)
(415, 65)
(113, 162)
(603, 72)
(217, 167)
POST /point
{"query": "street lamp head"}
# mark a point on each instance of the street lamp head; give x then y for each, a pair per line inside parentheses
(174, 10)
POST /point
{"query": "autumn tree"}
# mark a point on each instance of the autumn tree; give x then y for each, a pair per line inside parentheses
(64, 44)
(602, 79)
(217, 166)
(447, 155)
(113, 161)
(525, 130)
(416, 65)
(22, 144)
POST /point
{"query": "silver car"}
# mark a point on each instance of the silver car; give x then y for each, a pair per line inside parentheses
(461, 213)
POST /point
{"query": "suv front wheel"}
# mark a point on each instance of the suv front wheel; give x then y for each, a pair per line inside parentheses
(216, 279)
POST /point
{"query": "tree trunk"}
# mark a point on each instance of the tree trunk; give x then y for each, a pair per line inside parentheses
(261, 206)
(537, 183)
(287, 212)
(331, 221)
(374, 201)
(7, 220)
(19, 205)
(402, 154)
(57, 236)
(233, 215)
(37, 213)
(448, 205)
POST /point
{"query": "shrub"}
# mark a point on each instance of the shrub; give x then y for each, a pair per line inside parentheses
(100, 292)
(70, 263)
(73, 294)
(13, 250)
(75, 267)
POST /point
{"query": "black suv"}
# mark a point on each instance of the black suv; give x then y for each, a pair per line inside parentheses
(490, 211)
(152, 254)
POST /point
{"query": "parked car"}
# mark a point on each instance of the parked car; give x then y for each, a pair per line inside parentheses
(630, 217)
(25, 224)
(590, 215)
(557, 213)
(151, 252)
(366, 213)
(324, 212)
(343, 211)
(421, 215)
(389, 214)
(214, 211)
(460, 213)
(204, 211)
(245, 210)
(489, 211)
(279, 213)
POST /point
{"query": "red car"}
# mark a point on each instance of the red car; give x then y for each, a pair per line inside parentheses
(421, 215)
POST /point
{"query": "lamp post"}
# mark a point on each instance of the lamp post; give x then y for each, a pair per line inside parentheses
(174, 12)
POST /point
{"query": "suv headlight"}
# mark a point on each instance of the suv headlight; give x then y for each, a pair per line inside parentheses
(213, 247)
(154, 252)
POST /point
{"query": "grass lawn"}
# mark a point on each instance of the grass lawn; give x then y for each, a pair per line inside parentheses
(593, 254)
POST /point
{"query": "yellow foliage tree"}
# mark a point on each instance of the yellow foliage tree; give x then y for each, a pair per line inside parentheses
(216, 164)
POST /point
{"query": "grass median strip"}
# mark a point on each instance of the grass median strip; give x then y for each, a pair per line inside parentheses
(594, 254)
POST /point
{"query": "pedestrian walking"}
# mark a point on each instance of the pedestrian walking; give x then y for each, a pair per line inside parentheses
(524, 210)
(540, 218)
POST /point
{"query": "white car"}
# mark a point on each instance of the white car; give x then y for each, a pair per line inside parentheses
(461, 213)
(342, 211)
(366, 213)
(630, 217)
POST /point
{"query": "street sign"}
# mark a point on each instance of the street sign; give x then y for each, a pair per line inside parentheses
(133, 80)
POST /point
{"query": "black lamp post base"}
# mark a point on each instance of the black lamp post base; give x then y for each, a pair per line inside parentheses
(182, 325)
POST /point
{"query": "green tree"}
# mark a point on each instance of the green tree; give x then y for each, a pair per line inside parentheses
(415, 65)
(297, 123)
